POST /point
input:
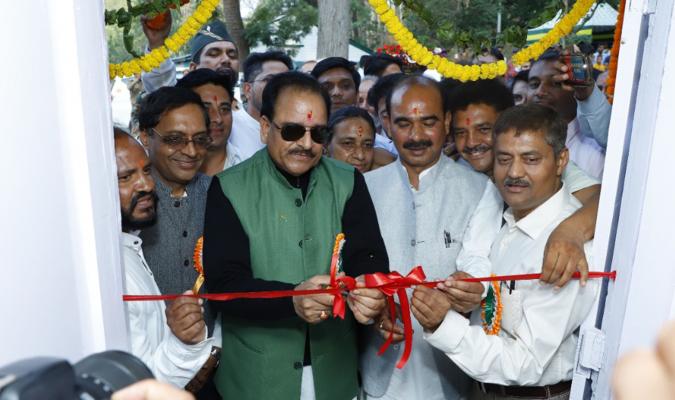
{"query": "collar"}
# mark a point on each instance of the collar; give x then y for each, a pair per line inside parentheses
(427, 177)
(164, 191)
(132, 241)
(233, 155)
(540, 218)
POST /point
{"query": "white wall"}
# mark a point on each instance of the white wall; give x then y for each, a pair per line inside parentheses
(59, 210)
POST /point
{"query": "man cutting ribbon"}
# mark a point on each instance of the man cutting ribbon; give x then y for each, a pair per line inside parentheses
(270, 222)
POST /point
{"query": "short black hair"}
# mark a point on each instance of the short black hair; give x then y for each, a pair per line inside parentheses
(349, 113)
(376, 64)
(254, 62)
(337, 62)
(290, 79)
(533, 118)
(422, 80)
(381, 89)
(163, 100)
(551, 54)
(203, 76)
(490, 92)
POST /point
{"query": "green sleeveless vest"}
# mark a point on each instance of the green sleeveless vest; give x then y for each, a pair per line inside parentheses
(290, 240)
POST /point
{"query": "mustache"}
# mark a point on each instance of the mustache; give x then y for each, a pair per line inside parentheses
(516, 182)
(140, 196)
(477, 149)
(302, 152)
(417, 145)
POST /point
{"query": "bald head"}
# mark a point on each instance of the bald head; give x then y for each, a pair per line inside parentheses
(405, 84)
(135, 183)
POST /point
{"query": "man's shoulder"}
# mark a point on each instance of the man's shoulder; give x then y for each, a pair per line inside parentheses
(250, 164)
(452, 169)
(382, 173)
(335, 165)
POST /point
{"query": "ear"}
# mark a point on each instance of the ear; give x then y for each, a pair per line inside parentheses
(265, 127)
(447, 123)
(563, 159)
(145, 139)
(191, 67)
(246, 90)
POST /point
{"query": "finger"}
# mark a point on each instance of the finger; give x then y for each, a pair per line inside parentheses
(151, 389)
(463, 296)
(369, 302)
(665, 348)
(388, 326)
(583, 271)
(320, 280)
(560, 266)
(640, 375)
(188, 321)
(550, 261)
(468, 287)
(196, 332)
(570, 269)
(319, 301)
(422, 307)
(183, 310)
(371, 293)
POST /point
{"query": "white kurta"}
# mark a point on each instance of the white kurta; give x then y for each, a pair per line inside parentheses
(445, 226)
(245, 133)
(169, 359)
(537, 343)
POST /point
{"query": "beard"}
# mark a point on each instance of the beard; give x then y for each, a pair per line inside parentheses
(130, 223)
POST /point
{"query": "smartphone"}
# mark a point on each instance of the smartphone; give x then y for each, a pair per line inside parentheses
(580, 69)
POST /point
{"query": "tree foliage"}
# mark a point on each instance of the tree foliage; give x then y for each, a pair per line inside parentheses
(280, 23)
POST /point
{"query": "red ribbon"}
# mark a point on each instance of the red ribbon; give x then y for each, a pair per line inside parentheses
(390, 284)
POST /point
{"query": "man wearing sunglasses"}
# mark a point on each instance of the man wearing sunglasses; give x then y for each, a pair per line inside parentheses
(270, 224)
(174, 130)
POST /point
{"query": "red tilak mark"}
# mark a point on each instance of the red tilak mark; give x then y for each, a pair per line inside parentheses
(416, 111)
(215, 99)
(309, 115)
(468, 121)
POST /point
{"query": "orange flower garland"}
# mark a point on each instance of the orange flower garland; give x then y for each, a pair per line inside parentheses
(614, 60)
(491, 309)
(199, 266)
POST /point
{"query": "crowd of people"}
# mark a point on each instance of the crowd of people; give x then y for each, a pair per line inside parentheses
(465, 179)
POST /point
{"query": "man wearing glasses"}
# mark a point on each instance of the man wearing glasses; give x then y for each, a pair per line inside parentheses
(270, 224)
(174, 130)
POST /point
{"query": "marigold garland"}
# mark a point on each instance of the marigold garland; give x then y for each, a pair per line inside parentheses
(614, 54)
(448, 69)
(172, 44)
(199, 266)
(491, 309)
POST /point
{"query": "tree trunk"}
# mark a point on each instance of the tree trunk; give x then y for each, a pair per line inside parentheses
(334, 26)
(235, 26)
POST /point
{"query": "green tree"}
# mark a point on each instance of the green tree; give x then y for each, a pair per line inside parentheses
(280, 23)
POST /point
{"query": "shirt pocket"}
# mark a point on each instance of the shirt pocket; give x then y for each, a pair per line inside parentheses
(512, 310)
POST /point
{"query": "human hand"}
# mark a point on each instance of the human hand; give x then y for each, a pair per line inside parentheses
(185, 317)
(366, 304)
(151, 389)
(429, 306)
(385, 326)
(563, 256)
(156, 37)
(314, 308)
(464, 296)
(648, 374)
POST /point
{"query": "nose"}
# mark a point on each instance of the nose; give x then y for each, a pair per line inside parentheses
(306, 140)
(335, 91)
(417, 130)
(516, 170)
(190, 150)
(145, 184)
(214, 115)
(359, 154)
(472, 139)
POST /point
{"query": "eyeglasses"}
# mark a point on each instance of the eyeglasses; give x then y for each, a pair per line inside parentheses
(291, 132)
(180, 141)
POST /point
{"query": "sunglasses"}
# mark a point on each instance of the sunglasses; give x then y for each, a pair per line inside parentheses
(179, 141)
(292, 132)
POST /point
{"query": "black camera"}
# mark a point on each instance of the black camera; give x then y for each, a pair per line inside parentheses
(94, 377)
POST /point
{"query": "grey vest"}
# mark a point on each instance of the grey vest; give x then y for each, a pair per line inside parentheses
(169, 244)
(424, 228)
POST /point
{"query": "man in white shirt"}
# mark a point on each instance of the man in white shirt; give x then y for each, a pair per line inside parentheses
(216, 91)
(584, 109)
(171, 340)
(475, 107)
(526, 346)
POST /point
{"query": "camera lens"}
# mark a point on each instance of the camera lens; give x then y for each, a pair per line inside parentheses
(101, 374)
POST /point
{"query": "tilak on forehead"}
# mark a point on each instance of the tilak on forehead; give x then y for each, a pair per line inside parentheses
(309, 115)
(360, 131)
